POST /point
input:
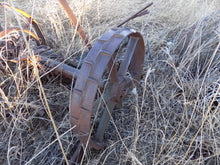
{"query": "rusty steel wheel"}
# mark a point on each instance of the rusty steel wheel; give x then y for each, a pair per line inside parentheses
(124, 71)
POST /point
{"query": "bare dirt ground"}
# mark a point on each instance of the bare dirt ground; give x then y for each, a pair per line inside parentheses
(173, 119)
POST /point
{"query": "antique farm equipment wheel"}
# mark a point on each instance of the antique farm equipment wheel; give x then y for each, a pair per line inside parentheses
(89, 79)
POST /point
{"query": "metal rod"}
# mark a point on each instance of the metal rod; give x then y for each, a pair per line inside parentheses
(136, 14)
(75, 22)
(57, 67)
(64, 69)
(103, 123)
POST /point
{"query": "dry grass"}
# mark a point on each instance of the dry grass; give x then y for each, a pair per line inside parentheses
(174, 118)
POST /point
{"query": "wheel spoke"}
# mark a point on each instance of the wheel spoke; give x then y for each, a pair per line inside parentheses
(109, 106)
(113, 71)
(114, 74)
(128, 56)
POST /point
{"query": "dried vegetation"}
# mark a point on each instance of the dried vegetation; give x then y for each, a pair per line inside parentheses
(173, 119)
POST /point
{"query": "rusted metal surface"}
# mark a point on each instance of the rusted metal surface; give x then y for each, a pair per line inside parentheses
(13, 43)
(38, 30)
(90, 76)
(75, 22)
(57, 67)
(31, 21)
(77, 156)
(17, 29)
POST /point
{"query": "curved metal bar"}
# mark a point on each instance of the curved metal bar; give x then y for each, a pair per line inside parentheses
(128, 56)
(32, 20)
(9, 30)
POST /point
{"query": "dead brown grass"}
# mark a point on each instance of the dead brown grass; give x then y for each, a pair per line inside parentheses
(174, 118)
